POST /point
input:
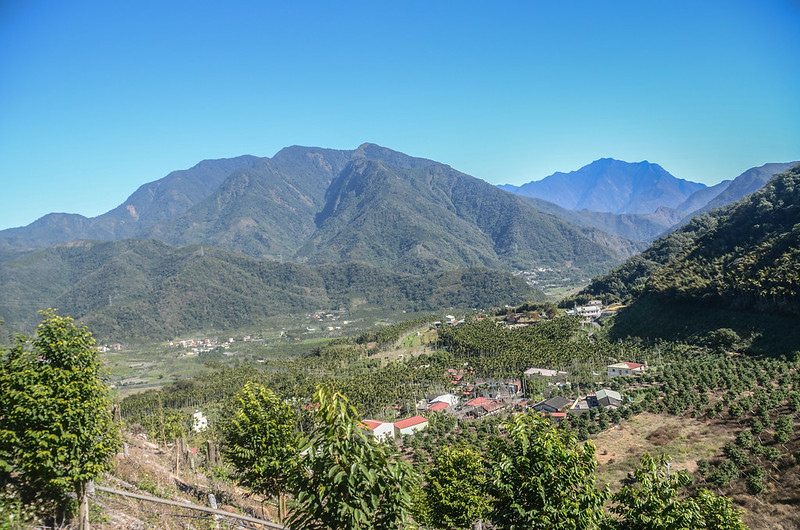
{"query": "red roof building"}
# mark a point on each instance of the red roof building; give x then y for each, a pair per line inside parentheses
(439, 405)
(382, 430)
(410, 425)
(492, 406)
(477, 402)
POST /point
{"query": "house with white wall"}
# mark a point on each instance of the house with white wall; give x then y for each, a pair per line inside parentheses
(381, 430)
(410, 425)
(625, 369)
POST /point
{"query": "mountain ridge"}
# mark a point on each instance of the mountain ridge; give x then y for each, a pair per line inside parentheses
(610, 185)
(371, 204)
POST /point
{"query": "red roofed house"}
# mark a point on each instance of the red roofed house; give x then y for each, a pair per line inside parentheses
(477, 402)
(625, 368)
(410, 425)
(381, 430)
(439, 405)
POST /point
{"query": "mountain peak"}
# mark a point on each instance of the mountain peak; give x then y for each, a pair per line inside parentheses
(611, 185)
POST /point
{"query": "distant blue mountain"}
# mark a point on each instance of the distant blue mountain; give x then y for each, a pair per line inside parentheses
(609, 185)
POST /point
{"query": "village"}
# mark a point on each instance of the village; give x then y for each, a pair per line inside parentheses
(472, 399)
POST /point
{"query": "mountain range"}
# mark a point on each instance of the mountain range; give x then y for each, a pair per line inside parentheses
(276, 233)
(370, 205)
(638, 201)
(608, 185)
(228, 242)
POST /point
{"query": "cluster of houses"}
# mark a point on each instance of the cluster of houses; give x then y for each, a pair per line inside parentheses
(450, 320)
(321, 317)
(207, 343)
(558, 407)
(196, 346)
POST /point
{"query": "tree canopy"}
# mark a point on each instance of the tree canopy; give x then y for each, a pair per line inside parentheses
(56, 428)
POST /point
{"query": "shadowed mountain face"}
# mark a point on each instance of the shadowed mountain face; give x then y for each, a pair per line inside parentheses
(614, 186)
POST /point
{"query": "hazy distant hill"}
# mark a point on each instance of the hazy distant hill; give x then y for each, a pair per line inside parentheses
(703, 196)
(152, 202)
(751, 180)
(609, 185)
(135, 288)
(633, 226)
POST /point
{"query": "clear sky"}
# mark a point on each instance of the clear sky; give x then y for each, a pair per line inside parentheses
(99, 97)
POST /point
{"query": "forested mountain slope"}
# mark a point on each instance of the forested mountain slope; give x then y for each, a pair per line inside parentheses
(744, 255)
(736, 267)
(135, 288)
(266, 211)
(410, 214)
(747, 258)
(371, 205)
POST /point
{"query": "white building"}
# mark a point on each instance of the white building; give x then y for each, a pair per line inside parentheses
(625, 368)
(410, 425)
(381, 430)
(544, 372)
(199, 421)
(450, 399)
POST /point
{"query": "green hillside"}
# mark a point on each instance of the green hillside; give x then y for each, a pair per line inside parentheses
(264, 211)
(135, 288)
(395, 211)
(736, 267)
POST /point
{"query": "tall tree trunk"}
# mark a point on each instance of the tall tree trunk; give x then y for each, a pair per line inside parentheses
(83, 506)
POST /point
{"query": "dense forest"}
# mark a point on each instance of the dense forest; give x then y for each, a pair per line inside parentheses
(131, 288)
(743, 256)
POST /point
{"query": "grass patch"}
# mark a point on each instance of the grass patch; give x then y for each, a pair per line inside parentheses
(684, 440)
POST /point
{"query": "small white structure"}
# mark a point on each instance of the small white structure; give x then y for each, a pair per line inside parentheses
(625, 368)
(410, 425)
(381, 430)
(450, 399)
(544, 372)
(199, 421)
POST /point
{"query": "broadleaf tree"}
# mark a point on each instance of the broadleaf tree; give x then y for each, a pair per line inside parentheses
(262, 442)
(347, 479)
(455, 491)
(56, 427)
(543, 478)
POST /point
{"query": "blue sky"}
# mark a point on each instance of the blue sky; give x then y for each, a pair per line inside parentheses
(97, 98)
